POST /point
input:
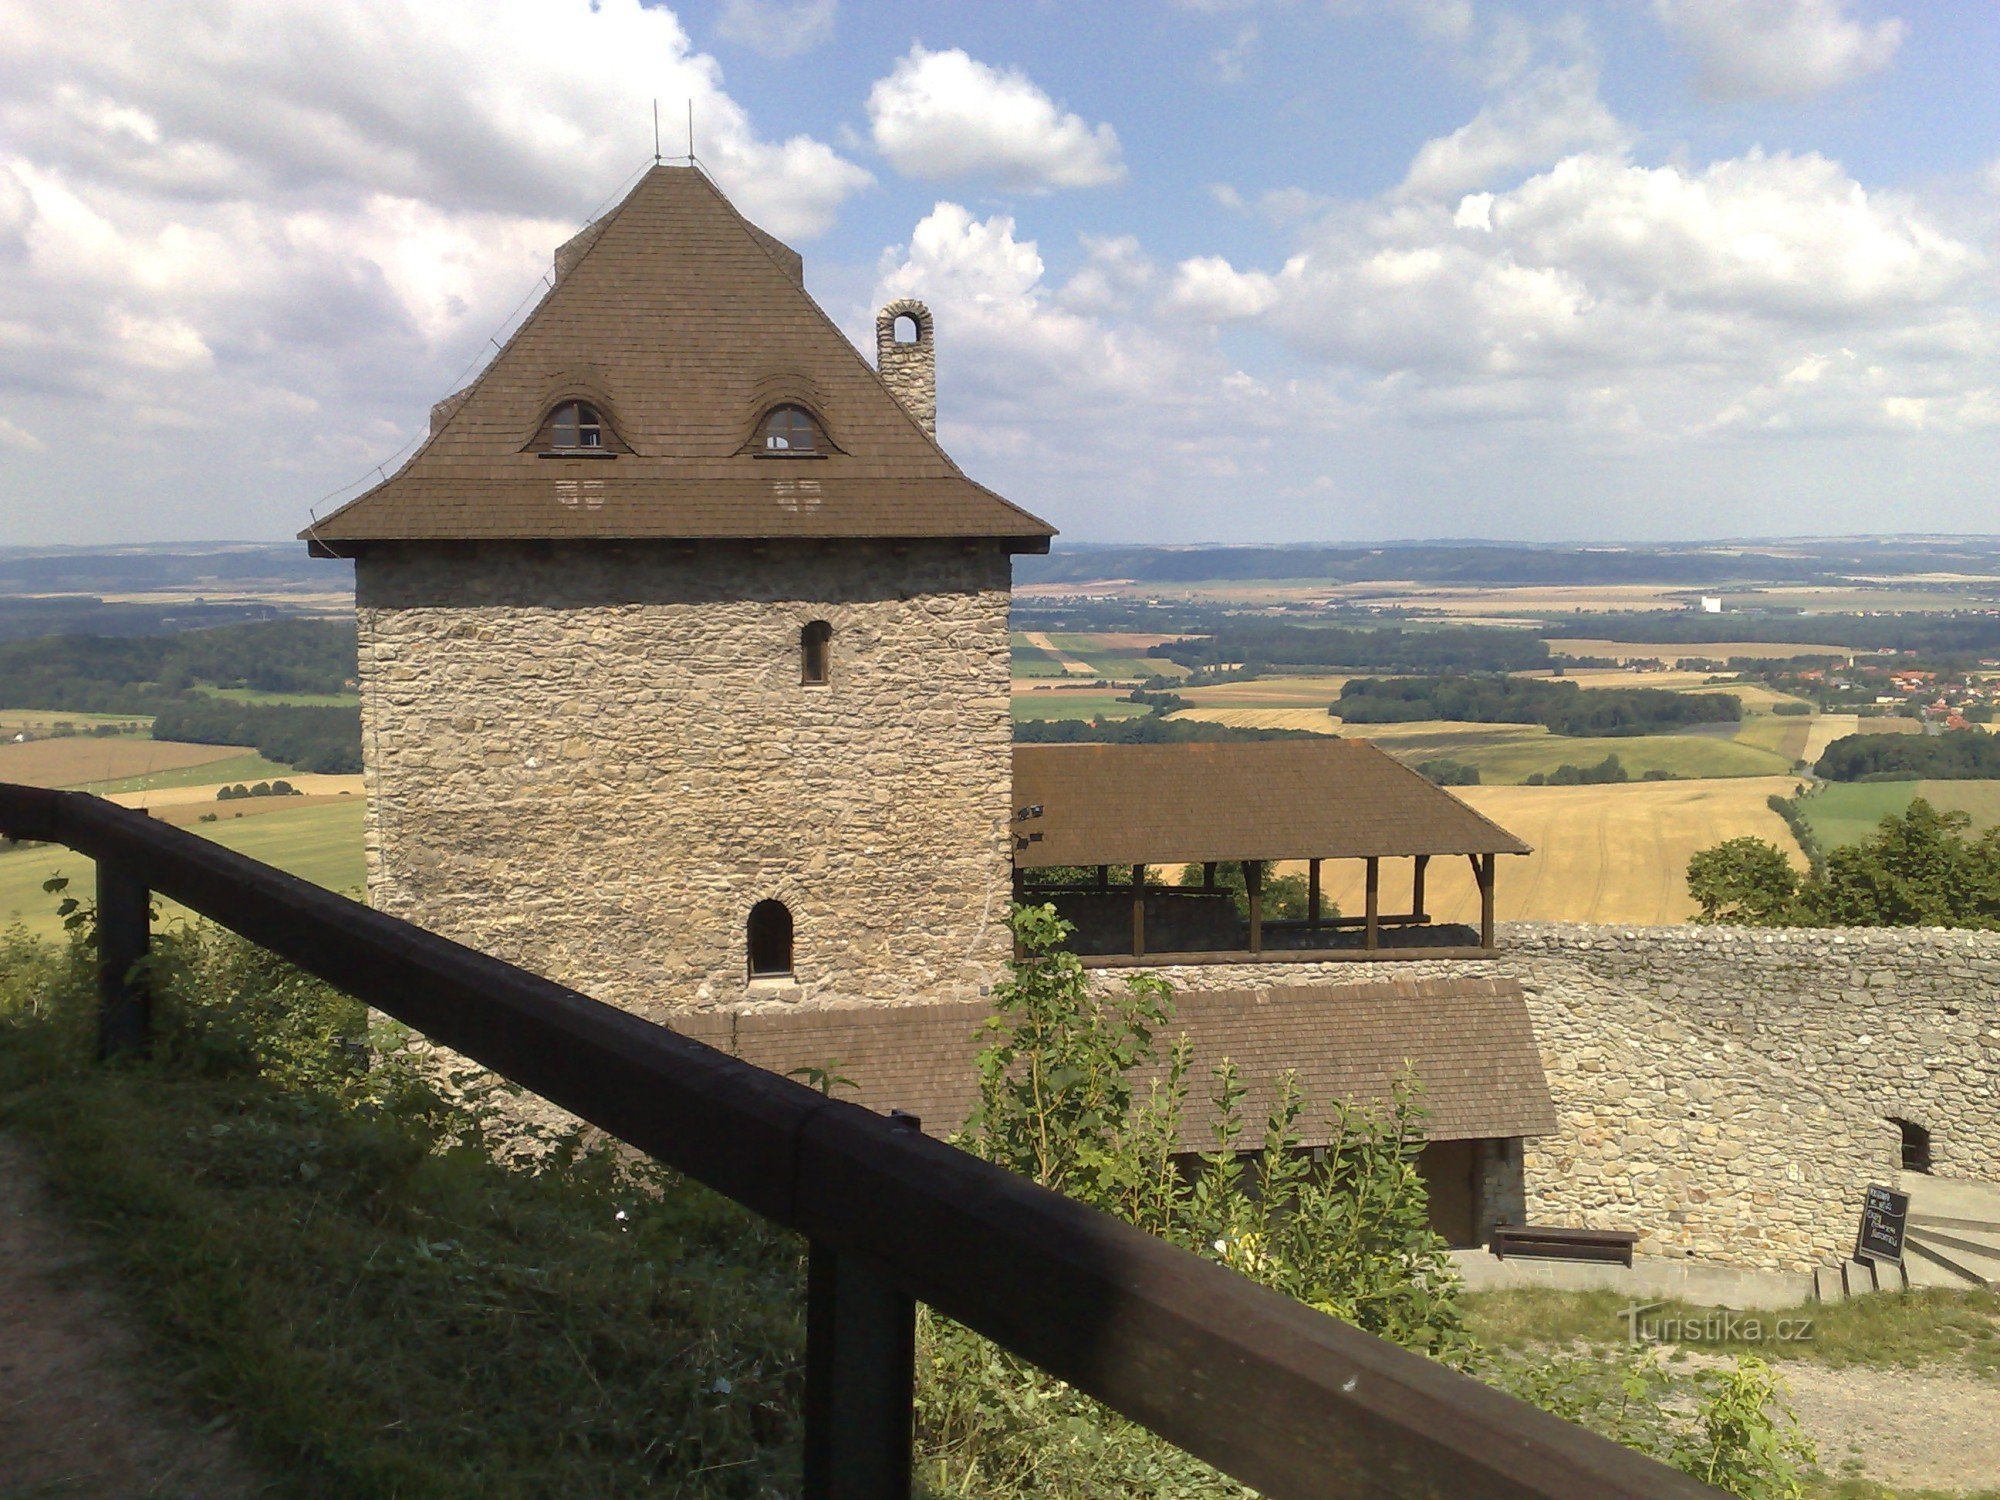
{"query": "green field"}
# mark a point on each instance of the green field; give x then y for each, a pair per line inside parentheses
(15, 719)
(1507, 754)
(284, 700)
(234, 768)
(321, 844)
(1075, 706)
(1033, 661)
(1850, 811)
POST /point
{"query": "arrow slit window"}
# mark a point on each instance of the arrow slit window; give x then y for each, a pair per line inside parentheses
(816, 652)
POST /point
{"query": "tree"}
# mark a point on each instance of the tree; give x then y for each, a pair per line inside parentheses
(1744, 881)
(1918, 871)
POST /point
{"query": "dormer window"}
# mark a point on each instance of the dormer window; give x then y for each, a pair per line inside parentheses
(790, 429)
(576, 424)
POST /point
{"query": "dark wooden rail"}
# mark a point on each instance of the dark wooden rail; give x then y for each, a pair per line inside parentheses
(1284, 1398)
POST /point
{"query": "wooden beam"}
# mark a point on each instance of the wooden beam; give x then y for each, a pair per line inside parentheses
(1372, 932)
(1208, 878)
(1486, 864)
(1253, 886)
(1417, 886)
(1104, 877)
(1138, 911)
(1312, 896)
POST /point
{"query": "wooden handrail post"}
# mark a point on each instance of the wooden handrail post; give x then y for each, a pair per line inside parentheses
(1138, 911)
(1486, 863)
(124, 936)
(1372, 931)
(861, 1338)
(1253, 887)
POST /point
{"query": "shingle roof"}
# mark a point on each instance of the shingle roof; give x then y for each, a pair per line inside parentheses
(684, 323)
(1324, 798)
(1470, 1041)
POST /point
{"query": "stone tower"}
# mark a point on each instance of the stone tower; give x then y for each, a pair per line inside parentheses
(909, 366)
(684, 655)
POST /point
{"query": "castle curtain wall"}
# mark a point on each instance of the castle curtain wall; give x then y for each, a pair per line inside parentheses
(593, 760)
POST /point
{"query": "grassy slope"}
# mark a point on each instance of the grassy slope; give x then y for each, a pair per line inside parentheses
(321, 844)
(292, 700)
(376, 1320)
(234, 765)
(1084, 705)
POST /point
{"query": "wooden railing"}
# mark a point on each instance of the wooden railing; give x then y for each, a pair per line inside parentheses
(1284, 1398)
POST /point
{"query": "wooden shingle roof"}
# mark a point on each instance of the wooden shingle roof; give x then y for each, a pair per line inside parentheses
(1470, 1042)
(1323, 798)
(684, 324)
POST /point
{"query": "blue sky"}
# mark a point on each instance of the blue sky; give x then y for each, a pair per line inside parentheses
(1219, 270)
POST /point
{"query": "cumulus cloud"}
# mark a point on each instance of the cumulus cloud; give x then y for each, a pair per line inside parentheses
(1209, 288)
(945, 115)
(314, 215)
(777, 28)
(1774, 49)
(1553, 111)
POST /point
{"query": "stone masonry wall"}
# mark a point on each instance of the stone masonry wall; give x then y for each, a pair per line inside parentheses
(1729, 1092)
(592, 762)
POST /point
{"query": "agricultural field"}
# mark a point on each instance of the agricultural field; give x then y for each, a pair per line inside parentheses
(1615, 854)
(104, 763)
(1266, 692)
(284, 700)
(45, 720)
(1060, 703)
(1705, 650)
(1848, 812)
(1113, 655)
(320, 843)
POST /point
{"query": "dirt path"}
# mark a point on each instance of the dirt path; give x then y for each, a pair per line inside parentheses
(1909, 1429)
(80, 1418)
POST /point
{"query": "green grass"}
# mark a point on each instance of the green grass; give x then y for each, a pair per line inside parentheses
(287, 700)
(12, 719)
(1033, 661)
(1507, 755)
(321, 844)
(1851, 811)
(374, 1310)
(230, 768)
(1922, 1329)
(1075, 706)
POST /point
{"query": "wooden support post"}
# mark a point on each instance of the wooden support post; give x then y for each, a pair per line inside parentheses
(861, 1335)
(1208, 878)
(1486, 863)
(1417, 886)
(1104, 877)
(1253, 887)
(1138, 911)
(124, 934)
(1312, 896)
(1371, 932)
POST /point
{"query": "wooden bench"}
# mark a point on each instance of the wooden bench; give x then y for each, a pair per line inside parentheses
(1563, 1244)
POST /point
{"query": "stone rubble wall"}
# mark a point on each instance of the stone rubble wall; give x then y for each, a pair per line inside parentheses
(1727, 1092)
(593, 761)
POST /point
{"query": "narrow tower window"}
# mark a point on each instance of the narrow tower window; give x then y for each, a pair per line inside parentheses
(770, 933)
(576, 424)
(816, 652)
(790, 429)
(1916, 1145)
(906, 331)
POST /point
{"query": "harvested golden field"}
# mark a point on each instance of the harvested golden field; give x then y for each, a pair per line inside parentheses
(1706, 650)
(1673, 680)
(80, 759)
(1826, 728)
(1268, 692)
(202, 797)
(1312, 720)
(1602, 853)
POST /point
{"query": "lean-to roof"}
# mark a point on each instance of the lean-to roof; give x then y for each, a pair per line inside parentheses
(1320, 798)
(684, 324)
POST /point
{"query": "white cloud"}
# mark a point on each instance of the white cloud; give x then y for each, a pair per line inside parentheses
(1209, 288)
(777, 28)
(12, 436)
(1553, 111)
(1232, 61)
(1771, 49)
(312, 216)
(944, 115)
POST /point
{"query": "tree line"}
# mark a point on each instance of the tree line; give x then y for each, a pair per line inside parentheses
(142, 674)
(1563, 707)
(1955, 755)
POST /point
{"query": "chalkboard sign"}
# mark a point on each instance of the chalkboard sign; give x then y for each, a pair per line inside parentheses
(1883, 1216)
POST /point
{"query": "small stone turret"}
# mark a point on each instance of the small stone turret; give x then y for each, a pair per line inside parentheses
(909, 367)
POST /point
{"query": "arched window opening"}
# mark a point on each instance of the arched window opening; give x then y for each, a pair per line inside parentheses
(816, 652)
(770, 933)
(1916, 1145)
(791, 429)
(576, 424)
(907, 331)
